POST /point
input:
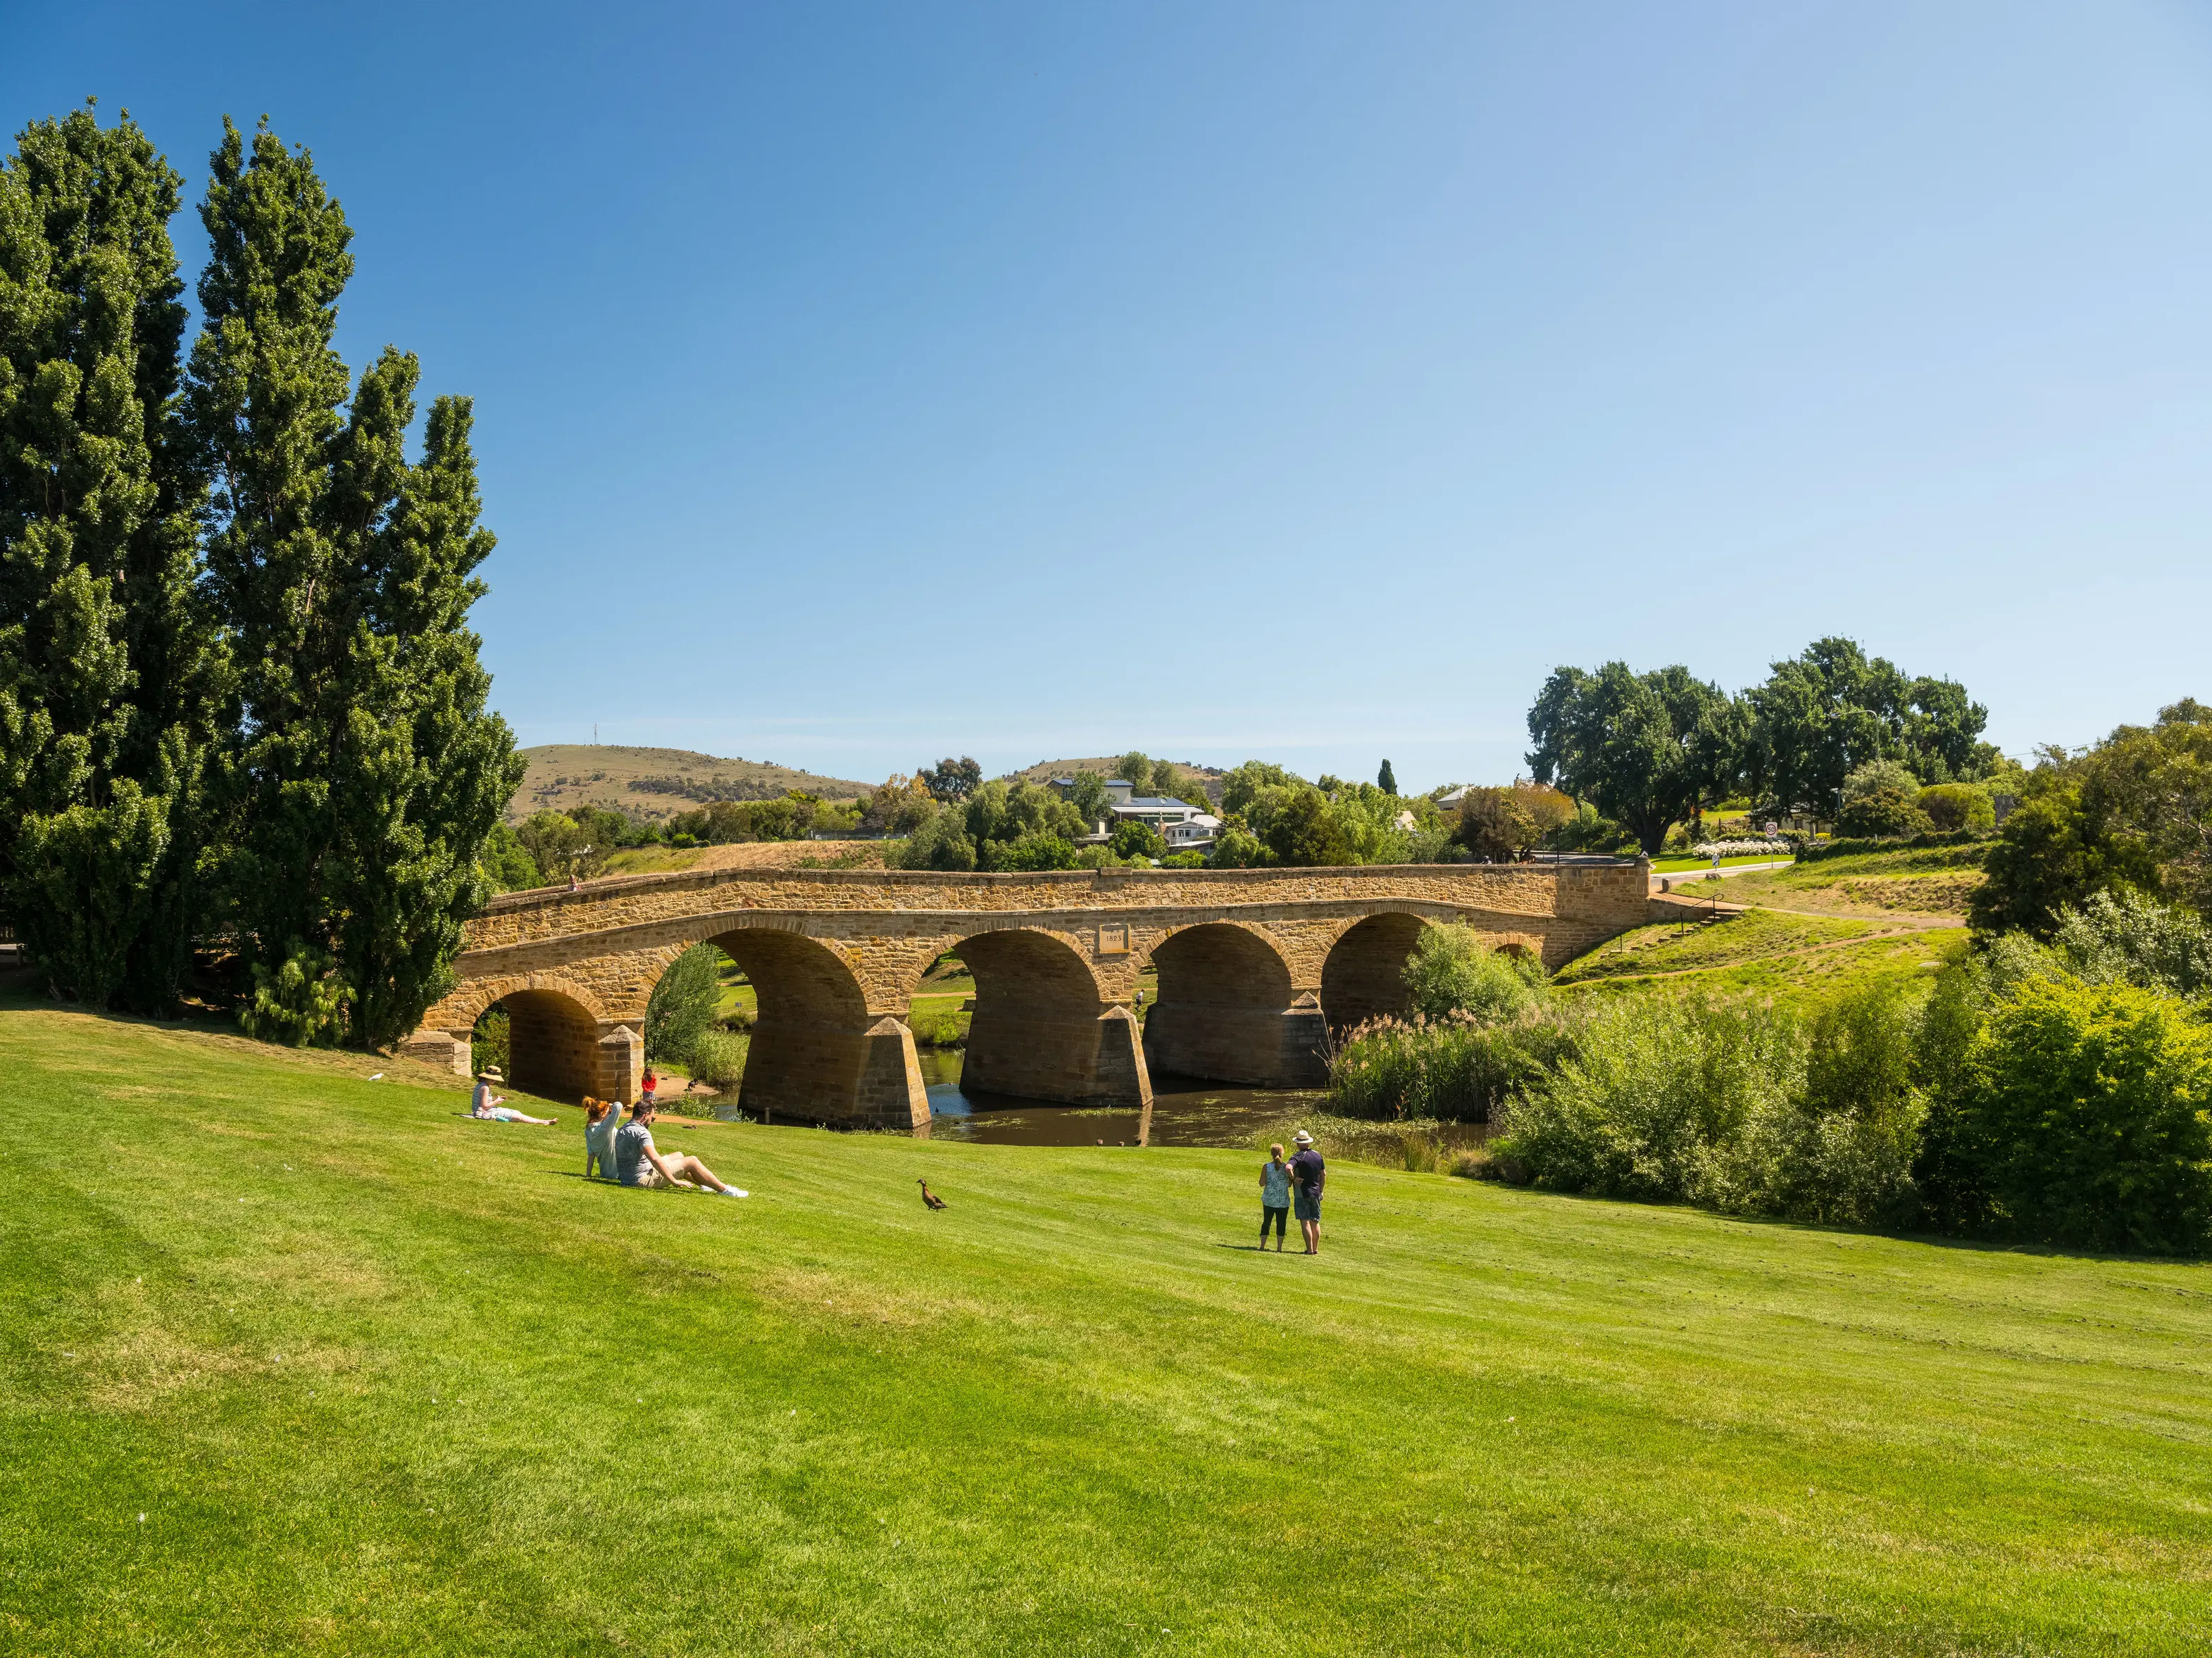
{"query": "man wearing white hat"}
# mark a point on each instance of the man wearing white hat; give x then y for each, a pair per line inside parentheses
(1307, 1171)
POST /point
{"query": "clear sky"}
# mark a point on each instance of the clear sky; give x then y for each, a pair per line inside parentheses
(858, 384)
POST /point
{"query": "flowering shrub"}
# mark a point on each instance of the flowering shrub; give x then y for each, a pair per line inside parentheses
(1777, 845)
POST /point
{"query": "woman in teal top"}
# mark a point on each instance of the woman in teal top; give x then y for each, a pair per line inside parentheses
(1274, 1197)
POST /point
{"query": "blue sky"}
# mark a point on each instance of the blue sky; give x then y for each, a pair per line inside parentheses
(858, 384)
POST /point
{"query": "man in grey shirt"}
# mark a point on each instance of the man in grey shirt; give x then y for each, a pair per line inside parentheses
(639, 1162)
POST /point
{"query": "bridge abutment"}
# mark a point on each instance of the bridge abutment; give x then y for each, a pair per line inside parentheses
(1256, 1046)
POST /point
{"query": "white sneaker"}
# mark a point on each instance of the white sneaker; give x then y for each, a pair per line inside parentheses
(732, 1192)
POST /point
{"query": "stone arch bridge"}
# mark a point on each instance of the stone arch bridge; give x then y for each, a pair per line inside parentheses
(1255, 966)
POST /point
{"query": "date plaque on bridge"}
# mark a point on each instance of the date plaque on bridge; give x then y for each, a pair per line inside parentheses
(1114, 938)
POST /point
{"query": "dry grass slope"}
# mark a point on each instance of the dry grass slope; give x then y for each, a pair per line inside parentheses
(565, 774)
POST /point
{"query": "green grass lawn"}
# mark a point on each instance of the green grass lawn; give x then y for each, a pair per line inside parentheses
(295, 1362)
(1675, 866)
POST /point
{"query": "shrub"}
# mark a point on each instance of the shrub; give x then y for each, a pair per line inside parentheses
(1451, 1070)
(1420, 1154)
(490, 1043)
(2126, 938)
(947, 1029)
(302, 1002)
(682, 1005)
(1951, 806)
(1881, 798)
(1453, 971)
(941, 842)
(1658, 1101)
(1844, 1149)
(1133, 838)
(1238, 848)
(2082, 1120)
(1034, 849)
(1774, 844)
(507, 863)
(717, 1057)
(1183, 860)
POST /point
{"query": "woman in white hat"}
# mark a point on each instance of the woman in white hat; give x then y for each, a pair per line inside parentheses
(493, 1107)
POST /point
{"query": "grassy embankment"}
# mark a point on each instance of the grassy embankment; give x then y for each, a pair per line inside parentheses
(1791, 957)
(1807, 932)
(1926, 881)
(298, 1362)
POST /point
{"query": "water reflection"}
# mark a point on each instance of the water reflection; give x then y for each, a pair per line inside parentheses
(1183, 1113)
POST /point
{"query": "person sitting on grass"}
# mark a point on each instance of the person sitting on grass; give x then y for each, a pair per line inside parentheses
(1274, 1196)
(493, 1107)
(601, 1119)
(639, 1162)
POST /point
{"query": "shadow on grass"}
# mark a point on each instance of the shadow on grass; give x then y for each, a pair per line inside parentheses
(1933, 1240)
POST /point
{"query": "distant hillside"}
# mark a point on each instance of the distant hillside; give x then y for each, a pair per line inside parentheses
(1109, 766)
(656, 783)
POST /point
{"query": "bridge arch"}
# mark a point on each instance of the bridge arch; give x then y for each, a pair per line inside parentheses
(1044, 1026)
(556, 1033)
(1227, 1013)
(1363, 976)
(815, 1053)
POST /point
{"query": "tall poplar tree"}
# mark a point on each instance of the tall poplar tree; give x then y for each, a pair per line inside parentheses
(111, 674)
(367, 771)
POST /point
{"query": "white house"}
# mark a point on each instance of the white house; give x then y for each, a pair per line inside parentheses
(1192, 834)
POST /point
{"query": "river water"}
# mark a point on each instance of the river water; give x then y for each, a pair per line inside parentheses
(1184, 1113)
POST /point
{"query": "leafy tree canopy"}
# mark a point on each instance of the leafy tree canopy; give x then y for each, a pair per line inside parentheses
(1646, 748)
(952, 780)
(2133, 813)
(1833, 708)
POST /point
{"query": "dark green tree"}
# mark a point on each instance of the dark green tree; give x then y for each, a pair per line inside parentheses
(2133, 813)
(1833, 708)
(952, 779)
(1087, 793)
(1307, 832)
(683, 1003)
(1647, 750)
(111, 673)
(2081, 1119)
(367, 773)
(1135, 838)
(1386, 779)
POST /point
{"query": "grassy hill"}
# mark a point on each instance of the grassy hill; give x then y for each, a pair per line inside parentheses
(657, 783)
(298, 1362)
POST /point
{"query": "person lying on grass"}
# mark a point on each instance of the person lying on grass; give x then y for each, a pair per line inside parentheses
(639, 1162)
(493, 1107)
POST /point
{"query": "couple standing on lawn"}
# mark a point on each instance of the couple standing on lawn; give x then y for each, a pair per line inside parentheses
(1305, 1172)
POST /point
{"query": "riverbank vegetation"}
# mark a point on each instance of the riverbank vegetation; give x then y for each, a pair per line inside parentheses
(1951, 1101)
(379, 1377)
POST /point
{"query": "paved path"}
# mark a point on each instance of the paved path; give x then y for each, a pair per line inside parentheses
(1680, 874)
